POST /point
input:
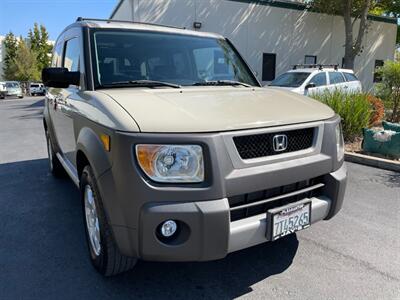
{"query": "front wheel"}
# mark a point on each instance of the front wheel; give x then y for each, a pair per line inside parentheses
(104, 253)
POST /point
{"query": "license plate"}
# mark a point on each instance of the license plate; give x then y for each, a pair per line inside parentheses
(289, 219)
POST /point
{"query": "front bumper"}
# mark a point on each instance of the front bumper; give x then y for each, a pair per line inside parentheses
(14, 94)
(211, 234)
(136, 206)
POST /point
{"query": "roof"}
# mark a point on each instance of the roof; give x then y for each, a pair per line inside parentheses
(119, 24)
(296, 5)
(310, 70)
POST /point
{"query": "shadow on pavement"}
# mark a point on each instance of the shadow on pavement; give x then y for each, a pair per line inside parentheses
(38, 103)
(28, 111)
(43, 252)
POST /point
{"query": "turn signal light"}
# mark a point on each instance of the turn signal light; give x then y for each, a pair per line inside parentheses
(105, 139)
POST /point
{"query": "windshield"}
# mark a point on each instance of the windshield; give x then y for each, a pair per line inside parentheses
(123, 56)
(290, 79)
(12, 85)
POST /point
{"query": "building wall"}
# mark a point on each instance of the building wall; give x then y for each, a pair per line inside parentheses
(257, 28)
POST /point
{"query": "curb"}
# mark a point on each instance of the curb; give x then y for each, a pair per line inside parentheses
(371, 161)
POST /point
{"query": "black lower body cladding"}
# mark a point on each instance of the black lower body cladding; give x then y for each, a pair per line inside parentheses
(136, 206)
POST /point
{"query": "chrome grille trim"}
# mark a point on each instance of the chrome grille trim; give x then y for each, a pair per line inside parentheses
(283, 196)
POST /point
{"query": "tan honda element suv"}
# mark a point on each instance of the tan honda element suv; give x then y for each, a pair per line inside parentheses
(179, 153)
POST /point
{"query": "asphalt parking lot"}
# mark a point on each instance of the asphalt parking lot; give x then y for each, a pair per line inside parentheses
(43, 252)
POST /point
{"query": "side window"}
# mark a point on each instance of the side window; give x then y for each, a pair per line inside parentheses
(319, 79)
(57, 54)
(350, 76)
(180, 64)
(203, 63)
(212, 64)
(72, 55)
(335, 77)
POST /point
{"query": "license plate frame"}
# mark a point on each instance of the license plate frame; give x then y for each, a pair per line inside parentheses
(286, 211)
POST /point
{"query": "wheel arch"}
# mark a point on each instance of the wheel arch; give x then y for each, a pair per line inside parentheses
(90, 150)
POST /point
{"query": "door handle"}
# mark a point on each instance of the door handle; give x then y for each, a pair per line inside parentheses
(57, 100)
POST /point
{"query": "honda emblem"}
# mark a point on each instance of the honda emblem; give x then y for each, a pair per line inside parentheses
(280, 142)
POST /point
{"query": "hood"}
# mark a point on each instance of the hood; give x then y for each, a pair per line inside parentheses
(212, 109)
(286, 88)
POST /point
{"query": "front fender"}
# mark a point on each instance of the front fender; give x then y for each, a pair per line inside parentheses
(90, 144)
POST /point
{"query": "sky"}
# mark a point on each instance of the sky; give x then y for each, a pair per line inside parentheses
(20, 15)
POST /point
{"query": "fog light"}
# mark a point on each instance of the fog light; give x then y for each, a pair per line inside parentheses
(168, 228)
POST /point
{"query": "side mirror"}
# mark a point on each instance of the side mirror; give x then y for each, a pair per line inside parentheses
(60, 77)
(310, 86)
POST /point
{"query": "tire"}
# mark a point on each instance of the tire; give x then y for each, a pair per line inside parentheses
(20, 97)
(55, 166)
(103, 251)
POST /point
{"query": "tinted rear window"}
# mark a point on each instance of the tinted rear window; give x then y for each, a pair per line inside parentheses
(350, 77)
(34, 85)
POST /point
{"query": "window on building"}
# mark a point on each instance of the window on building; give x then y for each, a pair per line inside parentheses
(335, 77)
(319, 79)
(378, 63)
(71, 56)
(269, 66)
(310, 60)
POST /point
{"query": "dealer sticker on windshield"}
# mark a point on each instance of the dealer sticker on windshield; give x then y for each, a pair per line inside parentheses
(289, 219)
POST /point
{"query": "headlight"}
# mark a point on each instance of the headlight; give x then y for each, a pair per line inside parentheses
(171, 163)
(339, 142)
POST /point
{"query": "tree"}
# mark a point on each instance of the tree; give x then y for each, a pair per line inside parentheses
(39, 44)
(25, 63)
(355, 12)
(11, 47)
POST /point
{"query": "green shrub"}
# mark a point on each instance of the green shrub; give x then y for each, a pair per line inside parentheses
(354, 109)
(389, 89)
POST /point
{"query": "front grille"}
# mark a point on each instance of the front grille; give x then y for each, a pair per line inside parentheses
(250, 205)
(260, 145)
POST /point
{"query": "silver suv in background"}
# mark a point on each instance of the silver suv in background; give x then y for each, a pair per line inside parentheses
(37, 89)
(313, 79)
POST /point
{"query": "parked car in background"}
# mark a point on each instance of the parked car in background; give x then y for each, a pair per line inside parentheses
(37, 89)
(178, 152)
(3, 90)
(309, 79)
(13, 89)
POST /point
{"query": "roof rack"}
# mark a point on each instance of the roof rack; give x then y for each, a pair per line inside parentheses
(80, 19)
(314, 66)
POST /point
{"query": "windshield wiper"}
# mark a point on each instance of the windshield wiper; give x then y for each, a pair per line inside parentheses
(141, 83)
(221, 83)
